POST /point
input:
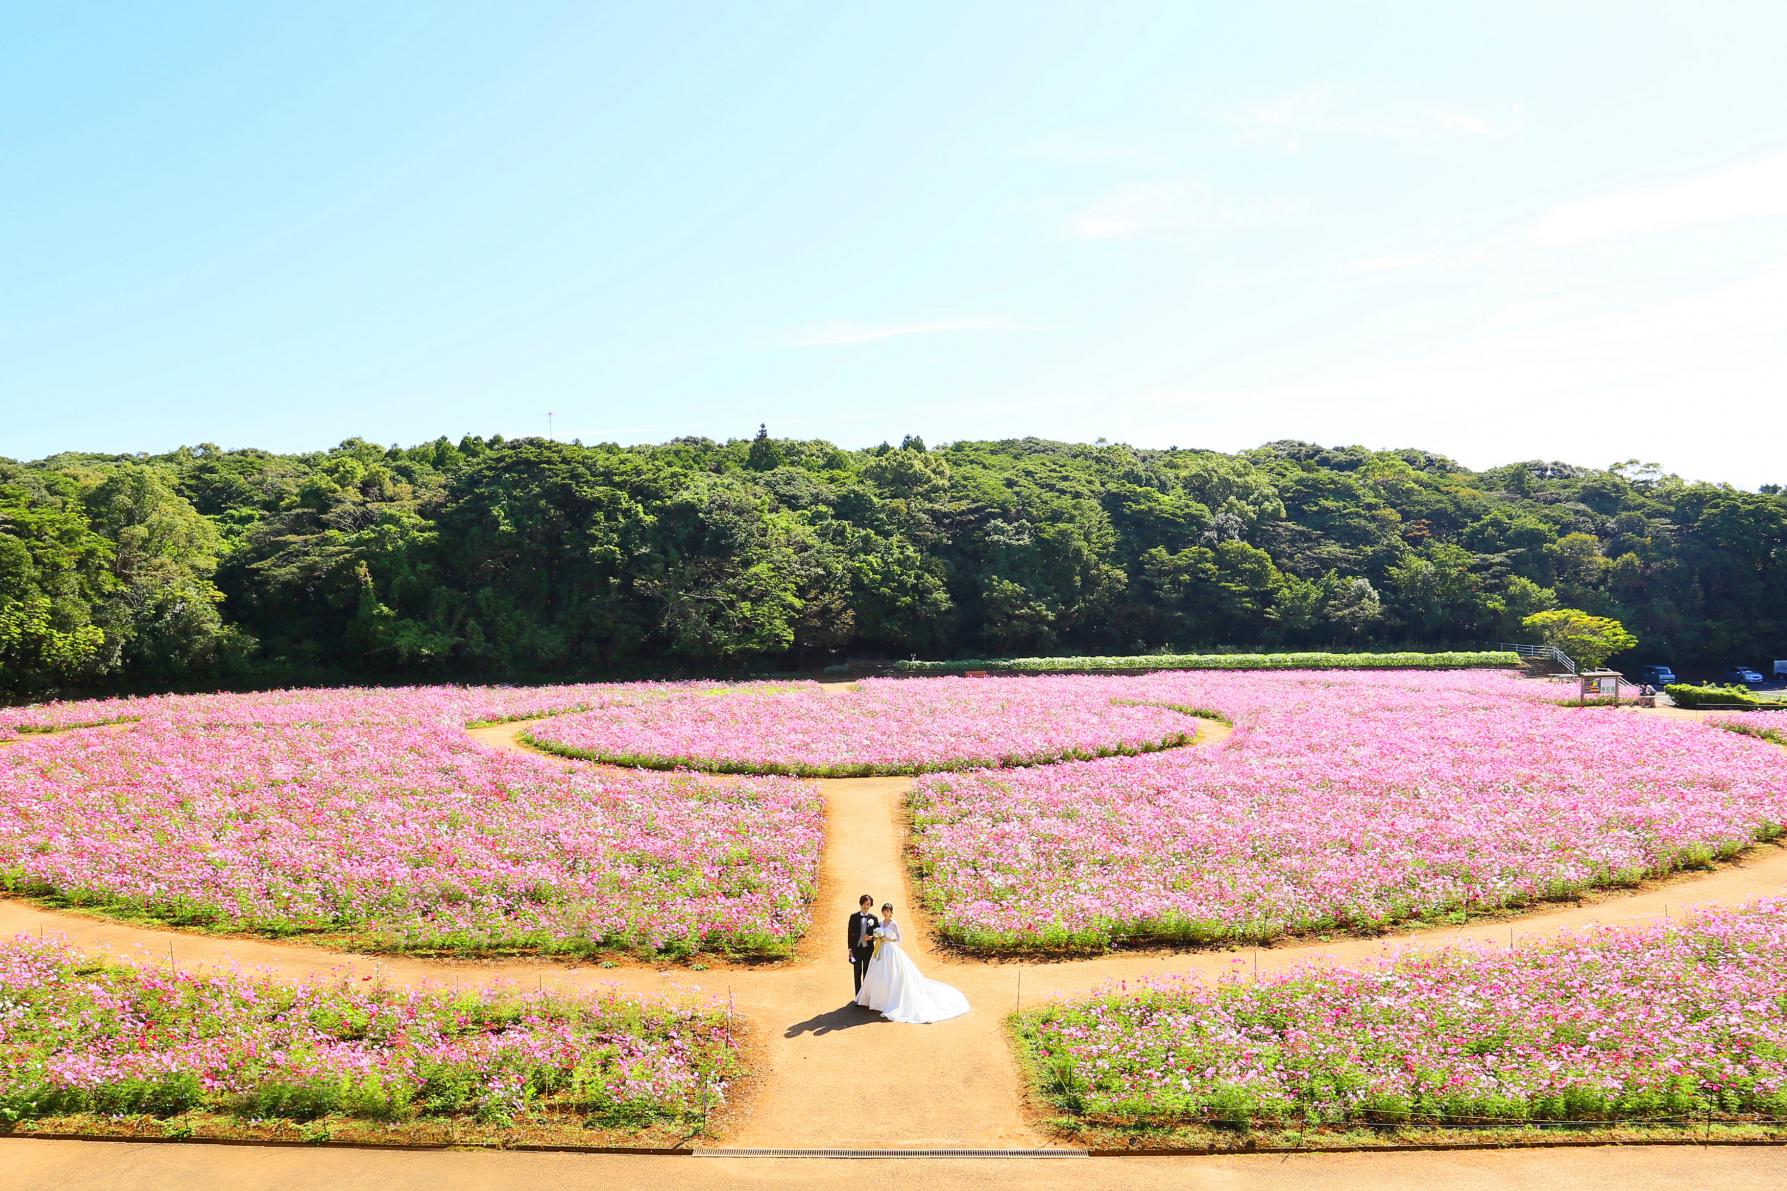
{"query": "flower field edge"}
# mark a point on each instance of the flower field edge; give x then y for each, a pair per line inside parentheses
(742, 949)
(1676, 1026)
(1454, 660)
(1106, 1136)
(845, 772)
(1774, 733)
(872, 728)
(1171, 932)
(99, 1046)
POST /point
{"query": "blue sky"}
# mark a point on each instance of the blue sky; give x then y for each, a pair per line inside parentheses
(1496, 231)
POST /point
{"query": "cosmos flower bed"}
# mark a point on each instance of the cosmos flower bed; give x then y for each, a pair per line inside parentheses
(880, 726)
(1450, 660)
(1342, 802)
(370, 820)
(52, 717)
(1669, 1022)
(87, 1037)
(1767, 725)
(446, 704)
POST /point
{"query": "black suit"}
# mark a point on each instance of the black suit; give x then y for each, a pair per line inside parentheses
(861, 925)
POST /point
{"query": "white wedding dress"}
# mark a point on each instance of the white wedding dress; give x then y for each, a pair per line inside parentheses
(896, 988)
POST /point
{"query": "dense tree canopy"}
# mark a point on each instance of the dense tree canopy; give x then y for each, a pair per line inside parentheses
(495, 559)
(1589, 640)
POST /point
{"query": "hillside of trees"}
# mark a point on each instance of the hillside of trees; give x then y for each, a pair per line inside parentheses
(490, 559)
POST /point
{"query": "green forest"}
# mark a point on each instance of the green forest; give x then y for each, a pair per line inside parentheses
(494, 559)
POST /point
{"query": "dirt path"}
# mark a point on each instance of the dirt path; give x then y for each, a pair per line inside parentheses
(831, 1075)
(95, 1166)
(834, 1074)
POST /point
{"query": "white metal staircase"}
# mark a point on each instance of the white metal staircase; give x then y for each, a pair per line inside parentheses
(1539, 653)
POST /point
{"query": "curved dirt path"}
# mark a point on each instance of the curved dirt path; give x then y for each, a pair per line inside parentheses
(829, 1075)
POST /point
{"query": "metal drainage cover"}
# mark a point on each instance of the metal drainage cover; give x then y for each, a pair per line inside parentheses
(861, 1153)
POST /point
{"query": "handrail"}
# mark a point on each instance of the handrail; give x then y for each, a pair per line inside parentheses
(1544, 653)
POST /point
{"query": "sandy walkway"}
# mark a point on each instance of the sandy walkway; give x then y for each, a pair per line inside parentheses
(831, 1075)
(101, 1166)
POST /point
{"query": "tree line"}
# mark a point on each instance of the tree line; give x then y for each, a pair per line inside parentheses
(491, 559)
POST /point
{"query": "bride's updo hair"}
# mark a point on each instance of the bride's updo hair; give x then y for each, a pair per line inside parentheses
(886, 906)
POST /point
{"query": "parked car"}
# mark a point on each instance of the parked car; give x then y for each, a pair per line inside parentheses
(1656, 676)
(1781, 670)
(1740, 676)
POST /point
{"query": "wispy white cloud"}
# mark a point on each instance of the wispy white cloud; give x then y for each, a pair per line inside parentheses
(1753, 189)
(1084, 148)
(1394, 262)
(1291, 119)
(1749, 190)
(837, 332)
(1438, 261)
(1145, 209)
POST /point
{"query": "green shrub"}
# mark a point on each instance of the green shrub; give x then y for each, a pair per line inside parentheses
(1590, 639)
(1685, 694)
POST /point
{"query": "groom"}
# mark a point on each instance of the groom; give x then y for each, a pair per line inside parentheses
(861, 937)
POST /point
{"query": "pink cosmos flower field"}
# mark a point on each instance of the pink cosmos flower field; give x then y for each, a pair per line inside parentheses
(879, 726)
(88, 1037)
(1343, 801)
(1768, 725)
(371, 819)
(1665, 1022)
(450, 704)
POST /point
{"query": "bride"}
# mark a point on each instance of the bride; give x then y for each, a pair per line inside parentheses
(894, 985)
